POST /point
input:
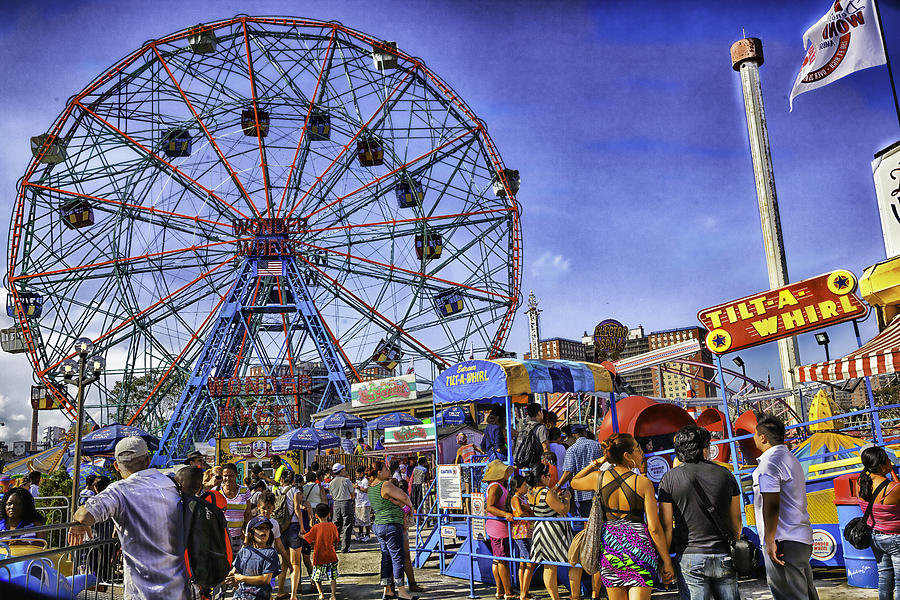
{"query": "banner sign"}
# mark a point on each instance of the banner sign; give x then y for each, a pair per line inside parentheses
(886, 171)
(783, 312)
(470, 380)
(410, 433)
(383, 391)
(238, 449)
(449, 486)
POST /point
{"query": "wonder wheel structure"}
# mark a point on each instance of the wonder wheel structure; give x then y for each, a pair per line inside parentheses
(259, 212)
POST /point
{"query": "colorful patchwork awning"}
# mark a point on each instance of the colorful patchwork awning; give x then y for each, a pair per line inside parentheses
(879, 356)
(494, 380)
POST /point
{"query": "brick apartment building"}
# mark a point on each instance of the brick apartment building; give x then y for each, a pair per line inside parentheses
(560, 348)
(673, 385)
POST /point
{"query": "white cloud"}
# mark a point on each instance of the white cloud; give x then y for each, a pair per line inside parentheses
(550, 264)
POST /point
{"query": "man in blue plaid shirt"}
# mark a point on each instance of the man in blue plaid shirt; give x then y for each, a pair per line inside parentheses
(578, 456)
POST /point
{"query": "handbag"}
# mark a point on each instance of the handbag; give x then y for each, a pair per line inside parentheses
(858, 531)
(586, 548)
(744, 553)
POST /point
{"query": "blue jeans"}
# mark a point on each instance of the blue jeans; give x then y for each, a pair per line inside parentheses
(886, 548)
(707, 576)
(390, 538)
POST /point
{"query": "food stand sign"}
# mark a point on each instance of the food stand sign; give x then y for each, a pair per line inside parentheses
(783, 312)
(406, 434)
(449, 486)
(383, 391)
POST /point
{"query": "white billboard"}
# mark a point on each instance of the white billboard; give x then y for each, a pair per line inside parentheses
(886, 170)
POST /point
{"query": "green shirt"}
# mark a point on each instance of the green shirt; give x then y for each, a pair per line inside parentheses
(385, 511)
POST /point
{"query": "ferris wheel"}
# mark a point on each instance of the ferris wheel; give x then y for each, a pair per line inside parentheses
(262, 196)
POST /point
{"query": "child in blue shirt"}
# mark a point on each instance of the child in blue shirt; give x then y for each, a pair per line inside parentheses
(256, 562)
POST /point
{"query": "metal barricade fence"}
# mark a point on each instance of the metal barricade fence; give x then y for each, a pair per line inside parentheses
(91, 570)
(55, 510)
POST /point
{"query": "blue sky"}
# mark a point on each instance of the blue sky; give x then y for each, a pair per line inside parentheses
(624, 119)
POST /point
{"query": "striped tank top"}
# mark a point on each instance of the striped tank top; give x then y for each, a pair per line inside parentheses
(234, 512)
(385, 511)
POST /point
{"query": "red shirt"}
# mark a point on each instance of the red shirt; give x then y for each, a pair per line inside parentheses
(323, 537)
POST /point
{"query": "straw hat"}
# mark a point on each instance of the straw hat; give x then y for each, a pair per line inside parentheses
(495, 471)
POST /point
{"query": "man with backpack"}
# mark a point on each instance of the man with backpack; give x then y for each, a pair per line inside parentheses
(146, 507)
(533, 440)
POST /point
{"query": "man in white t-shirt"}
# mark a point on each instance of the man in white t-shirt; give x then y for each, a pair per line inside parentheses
(782, 519)
(363, 506)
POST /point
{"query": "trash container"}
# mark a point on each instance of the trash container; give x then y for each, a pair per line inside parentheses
(862, 570)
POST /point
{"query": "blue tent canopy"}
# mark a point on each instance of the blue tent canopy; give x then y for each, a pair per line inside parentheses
(340, 420)
(455, 415)
(494, 380)
(104, 440)
(305, 438)
(394, 419)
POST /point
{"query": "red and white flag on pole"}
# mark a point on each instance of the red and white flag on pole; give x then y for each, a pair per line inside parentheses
(845, 40)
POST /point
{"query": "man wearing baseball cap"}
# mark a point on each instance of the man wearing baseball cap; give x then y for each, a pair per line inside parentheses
(341, 489)
(145, 508)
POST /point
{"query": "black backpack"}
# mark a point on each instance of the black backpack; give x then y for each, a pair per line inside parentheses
(528, 450)
(207, 546)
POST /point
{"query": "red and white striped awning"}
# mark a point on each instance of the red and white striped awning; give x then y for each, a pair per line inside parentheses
(879, 356)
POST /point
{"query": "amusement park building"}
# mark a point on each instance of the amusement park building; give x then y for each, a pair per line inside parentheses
(674, 385)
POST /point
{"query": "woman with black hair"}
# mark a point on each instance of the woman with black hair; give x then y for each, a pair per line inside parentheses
(19, 512)
(874, 485)
(550, 539)
(634, 543)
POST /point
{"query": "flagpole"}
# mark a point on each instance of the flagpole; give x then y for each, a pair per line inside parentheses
(887, 59)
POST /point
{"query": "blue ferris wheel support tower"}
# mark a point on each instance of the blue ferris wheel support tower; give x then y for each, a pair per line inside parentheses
(270, 295)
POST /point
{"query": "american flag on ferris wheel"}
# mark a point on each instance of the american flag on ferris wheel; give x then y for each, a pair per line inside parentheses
(268, 267)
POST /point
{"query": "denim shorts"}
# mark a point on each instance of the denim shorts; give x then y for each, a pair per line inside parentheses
(291, 538)
(523, 547)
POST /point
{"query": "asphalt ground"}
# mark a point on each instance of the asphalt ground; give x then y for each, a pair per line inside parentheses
(360, 575)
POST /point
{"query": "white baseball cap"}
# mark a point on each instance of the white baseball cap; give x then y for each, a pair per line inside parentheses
(337, 468)
(131, 447)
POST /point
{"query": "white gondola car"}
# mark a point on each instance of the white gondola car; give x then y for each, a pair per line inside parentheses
(12, 341)
(512, 177)
(384, 59)
(52, 147)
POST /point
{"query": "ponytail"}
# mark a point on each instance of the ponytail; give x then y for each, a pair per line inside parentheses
(871, 458)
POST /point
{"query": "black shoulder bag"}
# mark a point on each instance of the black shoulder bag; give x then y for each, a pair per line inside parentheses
(744, 553)
(858, 531)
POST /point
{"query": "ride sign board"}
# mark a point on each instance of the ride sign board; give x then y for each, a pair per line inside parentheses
(383, 391)
(406, 434)
(609, 339)
(783, 312)
(449, 486)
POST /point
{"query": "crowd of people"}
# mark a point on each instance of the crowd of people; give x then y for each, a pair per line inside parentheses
(679, 534)
(278, 525)
(284, 524)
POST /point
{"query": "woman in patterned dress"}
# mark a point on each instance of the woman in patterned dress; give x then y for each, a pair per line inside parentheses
(633, 539)
(550, 539)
